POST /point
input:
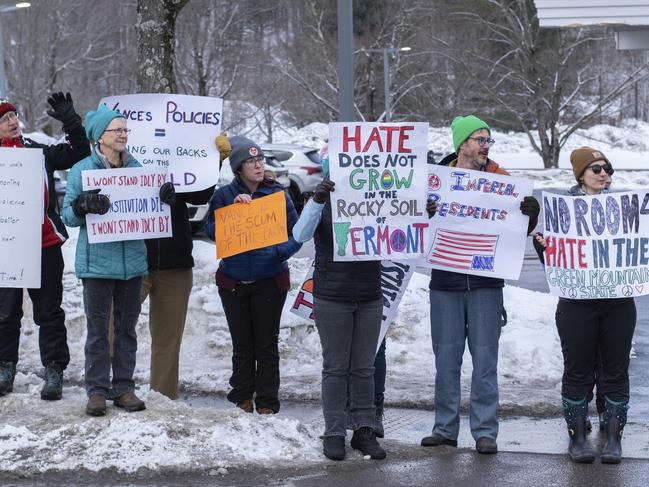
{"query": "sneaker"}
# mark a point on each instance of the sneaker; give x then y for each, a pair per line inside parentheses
(246, 405)
(7, 376)
(96, 405)
(130, 402)
(364, 440)
(486, 445)
(53, 388)
(333, 447)
(437, 440)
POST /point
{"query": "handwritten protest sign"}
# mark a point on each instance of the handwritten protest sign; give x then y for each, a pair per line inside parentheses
(175, 132)
(597, 246)
(479, 228)
(395, 277)
(21, 217)
(241, 227)
(379, 202)
(136, 211)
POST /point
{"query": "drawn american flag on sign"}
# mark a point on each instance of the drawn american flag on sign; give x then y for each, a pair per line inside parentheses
(461, 250)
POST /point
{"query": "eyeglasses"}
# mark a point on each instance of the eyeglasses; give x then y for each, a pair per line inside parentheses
(597, 168)
(483, 140)
(119, 131)
(9, 116)
(254, 160)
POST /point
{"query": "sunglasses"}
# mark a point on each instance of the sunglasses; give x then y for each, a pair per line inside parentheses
(597, 168)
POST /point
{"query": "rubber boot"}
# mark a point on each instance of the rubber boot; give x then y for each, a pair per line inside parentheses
(615, 419)
(576, 413)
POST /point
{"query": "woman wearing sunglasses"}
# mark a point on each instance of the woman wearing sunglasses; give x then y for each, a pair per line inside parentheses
(590, 329)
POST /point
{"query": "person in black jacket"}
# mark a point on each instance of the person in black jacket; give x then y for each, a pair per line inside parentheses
(48, 314)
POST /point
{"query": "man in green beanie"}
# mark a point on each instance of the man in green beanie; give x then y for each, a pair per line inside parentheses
(466, 307)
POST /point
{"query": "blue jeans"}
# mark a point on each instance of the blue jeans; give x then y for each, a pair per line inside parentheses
(475, 316)
(98, 294)
(348, 334)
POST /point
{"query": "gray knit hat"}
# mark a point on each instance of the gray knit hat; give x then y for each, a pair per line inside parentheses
(242, 148)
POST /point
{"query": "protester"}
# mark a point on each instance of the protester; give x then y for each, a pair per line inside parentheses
(348, 307)
(46, 300)
(111, 272)
(253, 286)
(469, 308)
(592, 330)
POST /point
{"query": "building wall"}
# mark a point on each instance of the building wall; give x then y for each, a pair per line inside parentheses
(560, 13)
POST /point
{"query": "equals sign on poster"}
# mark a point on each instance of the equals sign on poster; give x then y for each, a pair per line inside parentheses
(160, 132)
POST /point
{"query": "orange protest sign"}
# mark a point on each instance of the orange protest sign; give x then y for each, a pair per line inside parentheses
(241, 227)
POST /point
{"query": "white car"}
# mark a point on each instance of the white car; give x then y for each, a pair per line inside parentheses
(198, 213)
(304, 168)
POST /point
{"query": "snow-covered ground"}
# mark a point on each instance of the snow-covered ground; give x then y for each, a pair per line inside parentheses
(36, 435)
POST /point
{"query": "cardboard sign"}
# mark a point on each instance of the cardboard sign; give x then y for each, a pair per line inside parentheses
(174, 132)
(597, 246)
(479, 228)
(21, 217)
(379, 203)
(395, 277)
(136, 212)
(241, 227)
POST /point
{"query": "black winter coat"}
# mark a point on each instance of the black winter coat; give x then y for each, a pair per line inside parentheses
(342, 281)
(175, 252)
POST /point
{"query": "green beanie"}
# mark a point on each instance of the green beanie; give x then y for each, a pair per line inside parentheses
(463, 127)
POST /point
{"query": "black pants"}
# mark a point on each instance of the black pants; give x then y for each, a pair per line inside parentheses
(253, 312)
(586, 327)
(48, 314)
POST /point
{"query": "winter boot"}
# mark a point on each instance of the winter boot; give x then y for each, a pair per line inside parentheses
(576, 413)
(615, 419)
(364, 439)
(378, 421)
(7, 376)
(53, 388)
(333, 447)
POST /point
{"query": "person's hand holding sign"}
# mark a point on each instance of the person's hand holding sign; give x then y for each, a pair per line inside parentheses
(431, 208)
(322, 191)
(243, 198)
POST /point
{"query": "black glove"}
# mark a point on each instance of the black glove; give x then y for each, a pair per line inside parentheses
(431, 208)
(167, 193)
(322, 190)
(530, 207)
(91, 202)
(63, 109)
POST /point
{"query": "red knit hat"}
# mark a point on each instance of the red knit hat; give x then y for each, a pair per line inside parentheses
(7, 106)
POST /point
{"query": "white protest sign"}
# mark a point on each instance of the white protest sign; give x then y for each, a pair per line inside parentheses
(479, 228)
(597, 246)
(175, 132)
(379, 203)
(21, 217)
(395, 277)
(136, 212)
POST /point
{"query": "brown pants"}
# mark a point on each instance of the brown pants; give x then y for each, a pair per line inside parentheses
(168, 292)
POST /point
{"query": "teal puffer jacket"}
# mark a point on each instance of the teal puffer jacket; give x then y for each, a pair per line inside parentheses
(110, 260)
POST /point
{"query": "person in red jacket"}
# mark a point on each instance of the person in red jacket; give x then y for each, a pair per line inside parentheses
(48, 314)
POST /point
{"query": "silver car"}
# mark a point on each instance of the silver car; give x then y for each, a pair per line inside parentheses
(198, 213)
(304, 168)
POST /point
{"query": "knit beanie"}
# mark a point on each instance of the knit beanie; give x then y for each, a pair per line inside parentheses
(463, 127)
(242, 148)
(583, 157)
(97, 121)
(6, 106)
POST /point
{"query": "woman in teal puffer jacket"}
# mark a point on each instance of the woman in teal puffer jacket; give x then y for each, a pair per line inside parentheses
(111, 272)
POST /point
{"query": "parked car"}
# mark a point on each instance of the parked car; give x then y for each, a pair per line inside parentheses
(198, 213)
(304, 168)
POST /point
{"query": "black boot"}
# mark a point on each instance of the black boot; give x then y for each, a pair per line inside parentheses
(576, 413)
(53, 388)
(7, 376)
(378, 421)
(364, 439)
(615, 419)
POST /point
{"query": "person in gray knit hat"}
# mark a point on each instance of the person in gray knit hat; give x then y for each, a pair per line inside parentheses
(253, 285)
